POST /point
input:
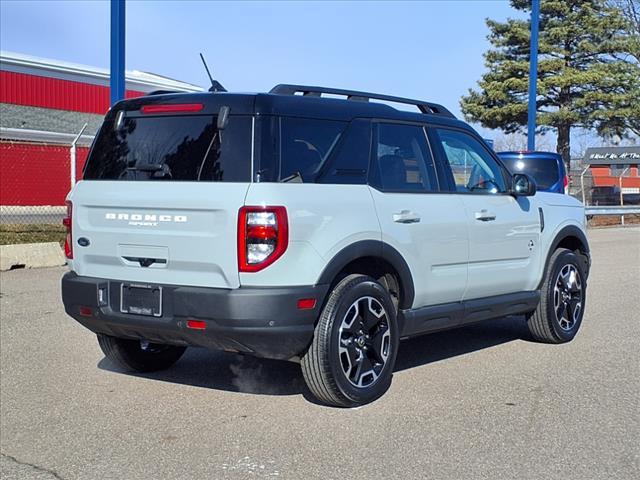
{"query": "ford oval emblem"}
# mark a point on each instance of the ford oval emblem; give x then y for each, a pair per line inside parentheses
(83, 242)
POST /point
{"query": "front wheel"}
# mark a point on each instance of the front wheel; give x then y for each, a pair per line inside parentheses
(350, 361)
(139, 355)
(562, 300)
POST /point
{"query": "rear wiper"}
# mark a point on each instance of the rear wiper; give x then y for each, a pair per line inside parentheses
(158, 170)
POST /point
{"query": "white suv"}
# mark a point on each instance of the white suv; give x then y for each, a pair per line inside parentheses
(293, 226)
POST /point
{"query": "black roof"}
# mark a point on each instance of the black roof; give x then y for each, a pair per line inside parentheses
(284, 102)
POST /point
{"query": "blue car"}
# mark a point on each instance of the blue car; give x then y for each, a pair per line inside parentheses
(546, 168)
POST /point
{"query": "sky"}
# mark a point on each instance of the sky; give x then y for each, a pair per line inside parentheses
(430, 50)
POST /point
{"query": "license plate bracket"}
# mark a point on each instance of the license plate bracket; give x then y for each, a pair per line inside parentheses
(141, 299)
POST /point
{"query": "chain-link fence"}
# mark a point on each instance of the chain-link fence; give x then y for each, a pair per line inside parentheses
(595, 189)
(607, 187)
(35, 179)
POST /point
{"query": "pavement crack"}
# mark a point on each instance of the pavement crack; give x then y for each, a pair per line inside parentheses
(38, 468)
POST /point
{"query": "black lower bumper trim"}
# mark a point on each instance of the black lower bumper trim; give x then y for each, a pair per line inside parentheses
(261, 321)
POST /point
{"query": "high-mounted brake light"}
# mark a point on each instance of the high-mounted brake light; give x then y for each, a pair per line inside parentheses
(263, 236)
(67, 222)
(172, 108)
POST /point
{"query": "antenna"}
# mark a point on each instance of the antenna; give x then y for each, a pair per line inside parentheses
(215, 85)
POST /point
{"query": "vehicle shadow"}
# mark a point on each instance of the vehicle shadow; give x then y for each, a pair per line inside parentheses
(245, 374)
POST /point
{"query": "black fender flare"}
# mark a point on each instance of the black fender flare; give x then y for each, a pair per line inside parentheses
(372, 248)
(566, 232)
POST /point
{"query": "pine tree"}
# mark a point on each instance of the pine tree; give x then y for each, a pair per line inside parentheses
(588, 72)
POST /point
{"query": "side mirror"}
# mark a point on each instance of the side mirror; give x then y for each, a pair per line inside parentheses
(522, 185)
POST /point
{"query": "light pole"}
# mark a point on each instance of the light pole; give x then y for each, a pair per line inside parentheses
(533, 75)
(116, 80)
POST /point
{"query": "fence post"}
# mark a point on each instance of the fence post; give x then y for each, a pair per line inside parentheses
(621, 194)
(72, 154)
(584, 202)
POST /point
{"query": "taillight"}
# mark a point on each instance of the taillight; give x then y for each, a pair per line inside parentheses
(263, 236)
(565, 184)
(66, 221)
(172, 108)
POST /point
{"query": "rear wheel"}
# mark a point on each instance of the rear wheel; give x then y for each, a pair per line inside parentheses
(562, 300)
(139, 355)
(350, 361)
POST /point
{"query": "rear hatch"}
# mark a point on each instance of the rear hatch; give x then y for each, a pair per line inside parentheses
(160, 196)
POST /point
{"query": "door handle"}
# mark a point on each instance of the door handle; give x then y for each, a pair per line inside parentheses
(485, 216)
(406, 216)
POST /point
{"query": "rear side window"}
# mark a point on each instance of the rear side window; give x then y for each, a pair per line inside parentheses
(349, 162)
(181, 148)
(296, 149)
(305, 145)
(402, 160)
(545, 171)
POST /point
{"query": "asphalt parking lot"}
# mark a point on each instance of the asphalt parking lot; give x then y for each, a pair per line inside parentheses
(481, 402)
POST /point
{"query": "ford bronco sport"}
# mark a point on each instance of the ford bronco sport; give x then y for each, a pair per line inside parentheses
(299, 226)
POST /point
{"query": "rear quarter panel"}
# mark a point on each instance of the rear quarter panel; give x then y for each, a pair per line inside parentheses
(323, 219)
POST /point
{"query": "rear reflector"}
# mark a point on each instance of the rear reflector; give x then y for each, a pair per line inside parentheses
(196, 324)
(306, 303)
(172, 108)
(86, 311)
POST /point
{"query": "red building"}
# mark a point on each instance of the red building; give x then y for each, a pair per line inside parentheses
(43, 106)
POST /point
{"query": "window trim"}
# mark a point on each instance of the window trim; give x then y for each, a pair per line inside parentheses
(375, 122)
(444, 164)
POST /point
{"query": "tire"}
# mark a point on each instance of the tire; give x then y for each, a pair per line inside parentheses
(134, 355)
(558, 316)
(350, 361)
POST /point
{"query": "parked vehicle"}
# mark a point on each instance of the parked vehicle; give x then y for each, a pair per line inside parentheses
(546, 168)
(319, 230)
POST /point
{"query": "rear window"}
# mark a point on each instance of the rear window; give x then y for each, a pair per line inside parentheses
(543, 170)
(181, 148)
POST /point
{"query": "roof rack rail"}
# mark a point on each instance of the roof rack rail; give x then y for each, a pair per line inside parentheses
(309, 91)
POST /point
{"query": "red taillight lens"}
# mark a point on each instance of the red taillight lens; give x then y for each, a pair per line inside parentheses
(172, 108)
(263, 236)
(67, 222)
(565, 184)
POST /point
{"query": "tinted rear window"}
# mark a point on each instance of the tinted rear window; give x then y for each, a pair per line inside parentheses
(182, 148)
(543, 170)
(297, 146)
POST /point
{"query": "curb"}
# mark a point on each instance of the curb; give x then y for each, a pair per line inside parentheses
(31, 255)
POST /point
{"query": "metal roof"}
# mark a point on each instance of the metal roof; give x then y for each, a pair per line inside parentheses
(135, 80)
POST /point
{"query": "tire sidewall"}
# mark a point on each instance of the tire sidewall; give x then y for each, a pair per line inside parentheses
(564, 258)
(365, 287)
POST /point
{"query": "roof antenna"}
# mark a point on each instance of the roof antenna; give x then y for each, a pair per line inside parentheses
(215, 85)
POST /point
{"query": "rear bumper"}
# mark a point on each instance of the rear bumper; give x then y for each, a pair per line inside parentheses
(261, 321)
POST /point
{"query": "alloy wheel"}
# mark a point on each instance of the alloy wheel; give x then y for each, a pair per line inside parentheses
(364, 342)
(567, 297)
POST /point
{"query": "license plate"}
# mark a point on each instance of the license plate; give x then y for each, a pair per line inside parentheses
(140, 299)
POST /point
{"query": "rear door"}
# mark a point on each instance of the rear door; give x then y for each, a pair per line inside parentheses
(504, 231)
(160, 199)
(427, 227)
